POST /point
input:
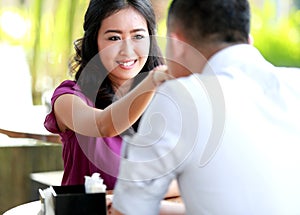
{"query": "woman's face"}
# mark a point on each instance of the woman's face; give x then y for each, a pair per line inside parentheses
(123, 43)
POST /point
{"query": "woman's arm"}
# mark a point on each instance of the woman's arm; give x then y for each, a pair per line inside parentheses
(166, 208)
(171, 208)
(173, 190)
(72, 113)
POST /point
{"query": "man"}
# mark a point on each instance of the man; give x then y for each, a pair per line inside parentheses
(230, 135)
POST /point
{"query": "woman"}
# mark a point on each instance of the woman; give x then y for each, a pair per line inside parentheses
(91, 113)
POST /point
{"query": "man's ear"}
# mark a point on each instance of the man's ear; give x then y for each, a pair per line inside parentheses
(177, 55)
(177, 44)
(250, 39)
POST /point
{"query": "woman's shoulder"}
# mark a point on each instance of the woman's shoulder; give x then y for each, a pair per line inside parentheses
(67, 87)
(70, 87)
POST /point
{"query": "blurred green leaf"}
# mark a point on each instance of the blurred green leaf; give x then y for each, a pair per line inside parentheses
(277, 37)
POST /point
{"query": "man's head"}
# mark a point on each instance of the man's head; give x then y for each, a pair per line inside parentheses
(199, 28)
(210, 21)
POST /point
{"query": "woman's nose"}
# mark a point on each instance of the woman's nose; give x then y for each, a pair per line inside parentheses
(127, 47)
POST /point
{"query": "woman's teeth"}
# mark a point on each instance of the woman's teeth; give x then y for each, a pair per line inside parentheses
(128, 63)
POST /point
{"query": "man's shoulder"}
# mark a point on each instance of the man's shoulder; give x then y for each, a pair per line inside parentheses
(289, 71)
(187, 91)
(288, 74)
(177, 83)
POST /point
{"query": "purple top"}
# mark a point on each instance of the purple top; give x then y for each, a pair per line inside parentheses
(83, 155)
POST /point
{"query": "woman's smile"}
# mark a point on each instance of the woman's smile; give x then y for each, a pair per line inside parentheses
(127, 64)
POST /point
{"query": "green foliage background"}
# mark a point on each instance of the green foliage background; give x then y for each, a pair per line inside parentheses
(52, 28)
(278, 38)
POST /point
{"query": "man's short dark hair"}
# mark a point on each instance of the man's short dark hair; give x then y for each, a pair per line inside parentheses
(212, 20)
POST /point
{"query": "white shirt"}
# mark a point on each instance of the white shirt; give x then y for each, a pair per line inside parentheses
(230, 136)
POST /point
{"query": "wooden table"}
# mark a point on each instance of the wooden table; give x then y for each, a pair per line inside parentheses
(28, 123)
(49, 178)
(31, 208)
(19, 157)
(47, 137)
(34, 208)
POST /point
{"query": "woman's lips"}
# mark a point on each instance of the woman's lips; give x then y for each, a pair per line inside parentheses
(129, 64)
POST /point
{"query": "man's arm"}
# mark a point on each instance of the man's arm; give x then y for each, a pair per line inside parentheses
(166, 208)
(148, 166)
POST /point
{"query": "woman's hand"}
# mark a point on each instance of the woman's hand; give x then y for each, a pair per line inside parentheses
(160, 74)
(109, 203)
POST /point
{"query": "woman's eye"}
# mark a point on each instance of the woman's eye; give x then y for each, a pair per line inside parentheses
(139, 37)
(114, 38)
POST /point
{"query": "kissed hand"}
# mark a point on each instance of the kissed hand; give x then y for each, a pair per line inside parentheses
(160, 74)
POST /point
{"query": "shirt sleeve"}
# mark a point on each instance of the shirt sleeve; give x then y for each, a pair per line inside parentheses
(66, 87)
(153, 155)
(50, 122)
